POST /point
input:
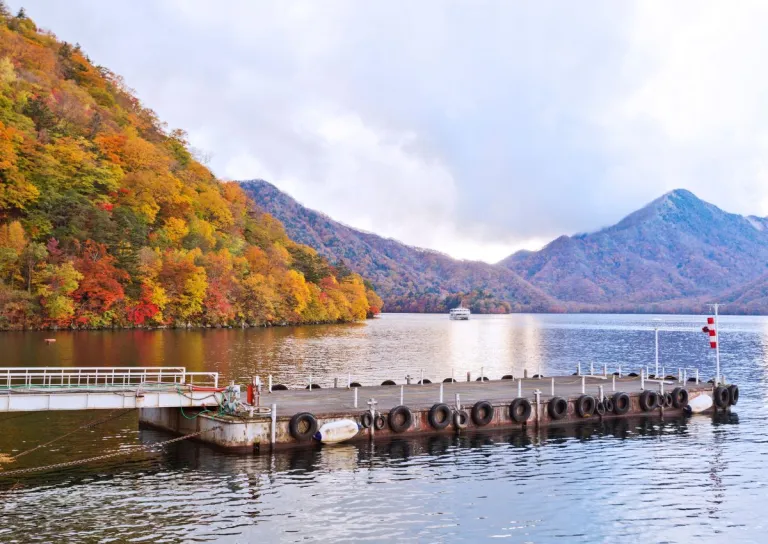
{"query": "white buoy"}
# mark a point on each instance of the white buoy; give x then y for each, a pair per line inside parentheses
(700, 404)
(337, 431)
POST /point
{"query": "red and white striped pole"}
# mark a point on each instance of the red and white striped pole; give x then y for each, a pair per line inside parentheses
(712, 327)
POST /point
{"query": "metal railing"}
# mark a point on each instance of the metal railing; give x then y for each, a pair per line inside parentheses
(101, 377)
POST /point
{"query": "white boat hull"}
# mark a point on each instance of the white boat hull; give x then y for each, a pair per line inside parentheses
(700, 404)
(337, 431)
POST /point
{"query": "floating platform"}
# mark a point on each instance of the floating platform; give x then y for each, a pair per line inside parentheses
(405, 410)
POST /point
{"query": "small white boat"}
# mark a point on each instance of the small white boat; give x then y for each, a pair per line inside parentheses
(337, 431)
(460, 313)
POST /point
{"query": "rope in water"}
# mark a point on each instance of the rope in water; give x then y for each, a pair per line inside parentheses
(127, 451)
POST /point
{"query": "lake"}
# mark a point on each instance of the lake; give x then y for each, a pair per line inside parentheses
(676, 480)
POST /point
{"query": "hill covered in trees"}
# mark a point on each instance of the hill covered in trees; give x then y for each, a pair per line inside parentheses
(410, 279)
(108, 220)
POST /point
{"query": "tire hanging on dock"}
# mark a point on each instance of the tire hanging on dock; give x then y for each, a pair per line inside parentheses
(439, 416)
(507, 377)
(460, 419)
(679, 397)
(388, 382)
(557, 408)
(279, 387)
(667, 399)
(609, 406)
(366, 420)
(482, 413)
(520, 410)
(649, 400)
(734, 391)
(302, 426)
(400, 419)
(621, 403)
(425, 381)
(449, 380)
(355, 384)
(585, 406)
(379, 422)
(600, 408)
(721, 397)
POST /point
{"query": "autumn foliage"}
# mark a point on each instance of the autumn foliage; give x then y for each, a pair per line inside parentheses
(108, 220)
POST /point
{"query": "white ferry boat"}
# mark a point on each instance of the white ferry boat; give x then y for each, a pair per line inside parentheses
(459, 313)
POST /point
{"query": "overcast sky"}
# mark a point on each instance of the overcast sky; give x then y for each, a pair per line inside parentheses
(473, 128)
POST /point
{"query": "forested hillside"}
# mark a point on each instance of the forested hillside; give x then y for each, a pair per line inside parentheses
(410, 279)
(108, 220)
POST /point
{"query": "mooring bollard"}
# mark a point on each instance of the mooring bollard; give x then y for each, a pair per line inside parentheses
(441, 392)
(402, 392)
(270, 383)
(553, 387)
(274, 424)
(355, 388)
(583, 385)
(519, 388)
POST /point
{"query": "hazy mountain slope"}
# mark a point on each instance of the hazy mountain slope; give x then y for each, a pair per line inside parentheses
(676, 247)
(396, 270)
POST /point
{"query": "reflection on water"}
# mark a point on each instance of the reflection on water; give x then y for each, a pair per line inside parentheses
(639, 479)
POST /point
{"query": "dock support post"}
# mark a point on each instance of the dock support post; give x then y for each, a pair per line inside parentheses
(600, 393)
(372, 407)
(482, 369)
(661, 388)
(274, 425)
(270, 383)
(349, 382)
(663, 373)
(613, 385)
(441, 392)
(335, 383)
(592, 369)
(355, 388)
(578, 369)
(458, 402)
(679, 375)
(310, 382)
(469, 376)
(685, 375)
(619, 371)
(642, 379)
(421, 381)
(553, 387)
(605, 369)
(402, 392)
(697, 376)
(519, 388)
(537, 401)
(453, 378)
(583, 385)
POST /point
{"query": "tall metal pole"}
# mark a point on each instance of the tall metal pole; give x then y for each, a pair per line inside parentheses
(717, 346)
(656, 334)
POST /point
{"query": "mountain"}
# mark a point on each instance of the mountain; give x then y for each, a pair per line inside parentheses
(108, 220)
(675, 250)
(408, 278)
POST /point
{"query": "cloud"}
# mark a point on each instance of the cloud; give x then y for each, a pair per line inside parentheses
(471, 129)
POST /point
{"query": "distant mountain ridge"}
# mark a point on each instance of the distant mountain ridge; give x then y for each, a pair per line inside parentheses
(677, 247)
(407, 278)
(675, 254)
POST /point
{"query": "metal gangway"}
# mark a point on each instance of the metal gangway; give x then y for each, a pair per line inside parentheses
(24, 389)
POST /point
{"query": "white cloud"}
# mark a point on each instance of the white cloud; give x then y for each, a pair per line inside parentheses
(471, 129)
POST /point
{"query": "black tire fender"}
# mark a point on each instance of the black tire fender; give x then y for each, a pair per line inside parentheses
(648, 400)
(388, 382)
(520, 410)
(313, 386)
(379, 422)
(400, 419)
(734, 390)
(585, 406)
(460, 419)
(608, 403)
(425, 381)
(434, 416)
(507, 377)
(722, 397)
(366, 420)
(679, 397)
(279, 387)
(482, 413)
(600, 408)
(449, 380)
(297, 424)
(621, 403)
(668, 400)
(557, 407)
(355, 384)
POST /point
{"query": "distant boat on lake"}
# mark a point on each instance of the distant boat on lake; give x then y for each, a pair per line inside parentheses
(459, 313)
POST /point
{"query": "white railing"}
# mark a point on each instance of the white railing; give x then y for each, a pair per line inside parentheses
(101, 377)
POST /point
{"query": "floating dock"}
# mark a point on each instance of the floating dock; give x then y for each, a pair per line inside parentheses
(290, 418)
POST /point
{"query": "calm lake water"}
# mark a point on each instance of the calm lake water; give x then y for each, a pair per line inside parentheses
(700, 479)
